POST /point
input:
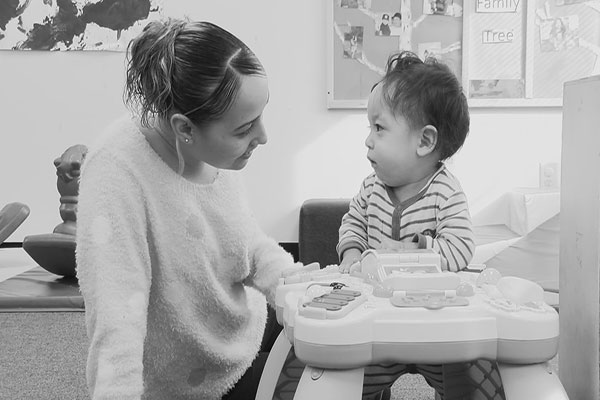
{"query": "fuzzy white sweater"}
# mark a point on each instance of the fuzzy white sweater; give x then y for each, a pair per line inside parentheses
(168, 270)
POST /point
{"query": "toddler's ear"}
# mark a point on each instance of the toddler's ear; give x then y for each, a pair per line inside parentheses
(427, 141)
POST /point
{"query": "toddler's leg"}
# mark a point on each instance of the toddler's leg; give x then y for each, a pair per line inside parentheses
(485, 380)
(475, 380)
(379, 378)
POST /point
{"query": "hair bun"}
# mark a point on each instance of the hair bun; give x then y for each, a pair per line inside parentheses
(164, 29)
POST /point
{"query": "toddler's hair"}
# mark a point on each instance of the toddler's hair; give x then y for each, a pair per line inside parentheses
(189, 67)
(427, 93)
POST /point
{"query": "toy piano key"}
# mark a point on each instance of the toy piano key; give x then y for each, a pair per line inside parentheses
(347, 292)
(327, 306)
(335, 295)
(328, 300)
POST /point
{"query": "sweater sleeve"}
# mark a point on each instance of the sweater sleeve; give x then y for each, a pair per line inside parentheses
(353, 229)
(113, 268)
(454, 239)
(268, 262)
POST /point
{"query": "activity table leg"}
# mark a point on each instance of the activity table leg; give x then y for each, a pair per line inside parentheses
(317, 383)
(531, 382)
(273, 367)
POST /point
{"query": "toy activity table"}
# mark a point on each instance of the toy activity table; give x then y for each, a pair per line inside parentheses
(401, 308)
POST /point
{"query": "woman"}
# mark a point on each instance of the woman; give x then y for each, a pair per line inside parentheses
(171, 263)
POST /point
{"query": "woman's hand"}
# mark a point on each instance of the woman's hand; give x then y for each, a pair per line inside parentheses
(315, 266)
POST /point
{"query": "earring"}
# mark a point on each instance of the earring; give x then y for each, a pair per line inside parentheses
(186, 140)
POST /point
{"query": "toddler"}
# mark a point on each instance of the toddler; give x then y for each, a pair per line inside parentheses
(418, 117)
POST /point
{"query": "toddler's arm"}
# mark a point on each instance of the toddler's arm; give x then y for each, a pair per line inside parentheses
(454, 238)
(353, 229)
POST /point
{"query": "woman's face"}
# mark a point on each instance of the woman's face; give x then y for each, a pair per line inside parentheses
(228, 143)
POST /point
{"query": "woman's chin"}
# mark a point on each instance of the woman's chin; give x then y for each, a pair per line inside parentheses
(240, 163)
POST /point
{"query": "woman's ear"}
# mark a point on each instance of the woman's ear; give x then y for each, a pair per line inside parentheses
(427, 141)
(182, 128)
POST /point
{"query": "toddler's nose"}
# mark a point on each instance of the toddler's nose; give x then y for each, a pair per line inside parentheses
(369, 142)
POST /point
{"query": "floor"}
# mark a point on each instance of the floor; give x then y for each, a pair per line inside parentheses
(14, 261)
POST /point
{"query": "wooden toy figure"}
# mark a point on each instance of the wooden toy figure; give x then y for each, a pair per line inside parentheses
(55, 251)
(68, 167)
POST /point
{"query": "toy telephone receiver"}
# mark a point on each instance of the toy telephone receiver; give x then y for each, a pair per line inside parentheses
(411, 272)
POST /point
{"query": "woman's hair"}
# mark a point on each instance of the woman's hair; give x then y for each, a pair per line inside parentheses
(193, 68)
(427, 93)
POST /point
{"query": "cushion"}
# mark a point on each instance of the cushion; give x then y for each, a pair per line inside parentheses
(12, 216)
(319, 225)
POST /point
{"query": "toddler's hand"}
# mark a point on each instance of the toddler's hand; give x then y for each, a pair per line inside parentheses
(347, 266)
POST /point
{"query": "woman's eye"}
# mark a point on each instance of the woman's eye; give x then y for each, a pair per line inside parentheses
(246, 132)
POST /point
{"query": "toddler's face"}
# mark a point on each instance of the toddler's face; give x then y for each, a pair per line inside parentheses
(392, 144)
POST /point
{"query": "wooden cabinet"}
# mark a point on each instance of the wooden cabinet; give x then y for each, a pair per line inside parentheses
(580, 239)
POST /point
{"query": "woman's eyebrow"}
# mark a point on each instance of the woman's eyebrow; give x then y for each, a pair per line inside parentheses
(246, 124)
(254, 120)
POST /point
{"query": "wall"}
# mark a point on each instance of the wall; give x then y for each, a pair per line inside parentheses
(50, 101)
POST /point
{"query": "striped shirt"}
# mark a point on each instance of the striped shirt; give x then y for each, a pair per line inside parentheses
(436, 218)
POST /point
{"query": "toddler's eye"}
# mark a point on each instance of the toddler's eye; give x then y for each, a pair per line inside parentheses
(376, 127)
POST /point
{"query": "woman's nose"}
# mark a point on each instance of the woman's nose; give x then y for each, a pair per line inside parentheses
(261, 134)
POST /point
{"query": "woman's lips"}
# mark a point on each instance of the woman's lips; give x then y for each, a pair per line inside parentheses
(247, 154)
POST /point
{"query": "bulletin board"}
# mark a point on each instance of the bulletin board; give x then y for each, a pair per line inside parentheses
(521, 52)
(506, 53)
(362, 34)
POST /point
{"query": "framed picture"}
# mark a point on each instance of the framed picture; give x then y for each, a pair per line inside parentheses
(362, 34)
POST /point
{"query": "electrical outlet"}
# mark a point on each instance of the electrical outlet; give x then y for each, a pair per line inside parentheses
(550, 175)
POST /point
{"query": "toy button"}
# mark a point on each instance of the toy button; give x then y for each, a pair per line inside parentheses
(316, 373)
(434, 304)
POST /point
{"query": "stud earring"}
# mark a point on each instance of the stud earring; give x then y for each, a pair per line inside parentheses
(186, 140)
